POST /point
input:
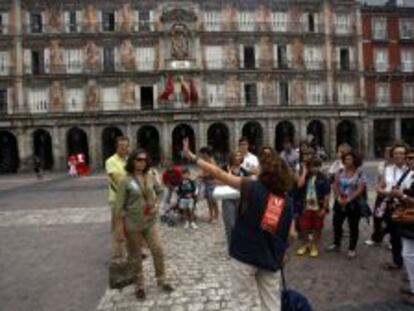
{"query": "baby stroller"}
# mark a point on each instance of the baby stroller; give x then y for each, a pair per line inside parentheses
(173, 214)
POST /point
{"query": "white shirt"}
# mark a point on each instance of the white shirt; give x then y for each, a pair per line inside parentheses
(335, 167)
(250, 162)
(392, 175)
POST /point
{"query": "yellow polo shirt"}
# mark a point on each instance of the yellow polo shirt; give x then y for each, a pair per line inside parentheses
(114, 165)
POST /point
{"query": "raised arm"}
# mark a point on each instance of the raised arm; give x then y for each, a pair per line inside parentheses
(214, 170)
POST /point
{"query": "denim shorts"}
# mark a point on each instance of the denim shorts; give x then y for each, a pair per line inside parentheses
(186, 203)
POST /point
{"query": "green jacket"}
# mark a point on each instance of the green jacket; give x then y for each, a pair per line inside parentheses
(130, 201)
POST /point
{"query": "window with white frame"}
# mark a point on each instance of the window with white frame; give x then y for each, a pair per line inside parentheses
(212, 20)
(279, 21)
(407, 60)
(4, 23)
(379, 28)
(315, 93)
(246, 21)
(38, 100)
(383, 94)
(73, 59)
(145, 20)
(145, 58)
(346, 93)
(110, 98)
(406, 28)
(342, 23)
(408, 94)
(214, 57)
(310, 22)
(73, 21)
(313, 57)
(283, 93)
(216, 95)
(4, 63)
(75, 98)
(4, 98)
(381, 60)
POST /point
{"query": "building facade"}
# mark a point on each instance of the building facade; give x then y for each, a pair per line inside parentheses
(388, 45)
(74, 75)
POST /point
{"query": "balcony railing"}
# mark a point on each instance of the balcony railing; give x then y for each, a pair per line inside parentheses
(346, 66)
(82, 68)
(283, 27)
(142, 26)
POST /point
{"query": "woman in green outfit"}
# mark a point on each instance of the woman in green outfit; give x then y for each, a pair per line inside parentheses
(136, 210)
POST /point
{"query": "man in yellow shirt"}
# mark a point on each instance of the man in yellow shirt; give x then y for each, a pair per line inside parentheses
(115, 169)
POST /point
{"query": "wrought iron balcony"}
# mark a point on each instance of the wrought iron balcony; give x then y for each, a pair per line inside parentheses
(133, 27)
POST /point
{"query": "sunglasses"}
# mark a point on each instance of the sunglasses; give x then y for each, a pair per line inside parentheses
(410, 158)
(140, 159)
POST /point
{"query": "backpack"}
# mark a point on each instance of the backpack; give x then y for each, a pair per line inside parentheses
(293, 300)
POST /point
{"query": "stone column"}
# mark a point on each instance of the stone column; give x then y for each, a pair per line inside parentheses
(302, 131)
(95, 156)
(132, 139)
(368, 136)
(332, 138)
(271, 135)
(397, 128)
(328, 23)
(59, 148)
(166, 143)
(237, 132)
(24, 149)
(201, 141)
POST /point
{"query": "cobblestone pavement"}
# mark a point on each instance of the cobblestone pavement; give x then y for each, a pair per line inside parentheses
(55, 233)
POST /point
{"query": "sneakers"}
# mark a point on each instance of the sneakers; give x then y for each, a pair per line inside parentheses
(167, 288)
(187, 225)
(333, 248)
(302, 250)
(140, 294)
(371, 243)
(193, 225)
(351, 254)
(314, 252)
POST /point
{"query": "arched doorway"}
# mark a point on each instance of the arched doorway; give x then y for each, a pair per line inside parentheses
(285, 132)
(346, 132)
(9, 153)
(109, 136)
(384, 135)
(180, 132)
(149, 140)
(77, 142)
(218, 139)
(42, 148)
(407, 131)
(254, 133)
(315, 131)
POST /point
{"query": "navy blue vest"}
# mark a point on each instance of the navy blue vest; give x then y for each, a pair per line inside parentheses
(249, 243)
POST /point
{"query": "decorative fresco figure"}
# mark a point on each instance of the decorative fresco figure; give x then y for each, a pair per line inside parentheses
(128, 93)
(56, 57)
(262, 18)
(92, 97)
(125, 17)
(54, 21)
(229, 17)
(231, 55)
(179, 42)
(265, 52)
(298, 53)
(298, 91)
(92, 56)
(56, 96)
(90, 18)
(233, 91)
(127, 55)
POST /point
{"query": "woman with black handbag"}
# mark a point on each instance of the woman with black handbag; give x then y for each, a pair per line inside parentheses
(405, 222)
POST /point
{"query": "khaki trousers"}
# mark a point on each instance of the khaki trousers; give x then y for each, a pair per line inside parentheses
(118, 252)
(247, 279)
(134, 245)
